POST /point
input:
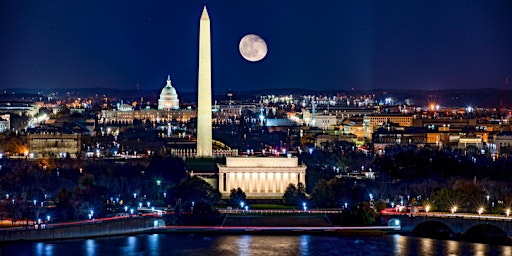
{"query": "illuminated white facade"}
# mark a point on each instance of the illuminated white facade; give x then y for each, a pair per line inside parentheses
(5, 122)
(260, 177)
(204, 90)
(168, 97)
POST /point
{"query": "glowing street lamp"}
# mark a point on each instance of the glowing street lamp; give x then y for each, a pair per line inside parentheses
(427, 208)
(454, 209)
(242, 205)
(507, 212)
(480, 211)
(304, 206)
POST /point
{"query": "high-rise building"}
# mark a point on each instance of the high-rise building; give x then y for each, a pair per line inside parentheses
(204, 91)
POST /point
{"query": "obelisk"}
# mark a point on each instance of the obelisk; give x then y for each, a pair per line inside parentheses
(204, 89)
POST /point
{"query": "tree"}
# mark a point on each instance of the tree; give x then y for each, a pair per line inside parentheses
(444, 199)
(195, 189)
(364, 214)
(322, 195)
(290, 195)
(236, 196)
(294, 195)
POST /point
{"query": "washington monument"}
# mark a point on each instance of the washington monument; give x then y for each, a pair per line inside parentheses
(204, 89)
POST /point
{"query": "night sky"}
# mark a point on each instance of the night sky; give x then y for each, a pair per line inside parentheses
(336, 45)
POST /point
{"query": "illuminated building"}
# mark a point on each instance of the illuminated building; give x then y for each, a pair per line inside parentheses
(168, 97)
(54, 145)
(260, 177)
(5, 123)
(168, 111)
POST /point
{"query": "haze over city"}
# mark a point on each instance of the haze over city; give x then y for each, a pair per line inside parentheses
(333, 45)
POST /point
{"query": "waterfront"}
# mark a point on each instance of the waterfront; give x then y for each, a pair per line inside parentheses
(204, 244)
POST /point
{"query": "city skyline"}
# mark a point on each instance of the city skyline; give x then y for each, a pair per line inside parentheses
(332, 46)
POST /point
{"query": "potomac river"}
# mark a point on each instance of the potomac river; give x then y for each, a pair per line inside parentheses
(241, 244)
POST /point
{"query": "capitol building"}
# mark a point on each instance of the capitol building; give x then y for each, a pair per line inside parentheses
(168, 111)
(168, 97)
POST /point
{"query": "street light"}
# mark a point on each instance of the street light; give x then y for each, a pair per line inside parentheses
(508, 212)
(304, 206)
(427, 208)
(454, 209)
(480, 211)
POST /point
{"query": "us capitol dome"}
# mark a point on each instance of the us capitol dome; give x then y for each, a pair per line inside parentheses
(168, 97)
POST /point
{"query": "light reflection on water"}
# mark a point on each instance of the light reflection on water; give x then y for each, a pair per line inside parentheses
(238, 245)
(90, 247)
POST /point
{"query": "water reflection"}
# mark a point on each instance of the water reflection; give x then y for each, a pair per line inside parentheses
(153, 244)
(480, 249)
(400, 245)
(452, 247)
(304, 245)
(244, 243)
(131, 245)
(90, 247)
(226, 245)
(426, 247)
(506, 250)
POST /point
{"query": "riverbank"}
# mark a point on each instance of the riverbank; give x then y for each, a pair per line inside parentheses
(283, 230)
(238, 224)
(95, 228)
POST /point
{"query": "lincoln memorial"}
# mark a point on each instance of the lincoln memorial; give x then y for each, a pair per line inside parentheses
(260, 177)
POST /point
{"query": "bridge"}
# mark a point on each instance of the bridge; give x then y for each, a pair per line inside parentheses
(472, 226)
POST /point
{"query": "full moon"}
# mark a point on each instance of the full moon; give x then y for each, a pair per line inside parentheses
(253, 48)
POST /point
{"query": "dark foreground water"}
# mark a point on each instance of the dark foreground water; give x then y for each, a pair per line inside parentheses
(221, 245)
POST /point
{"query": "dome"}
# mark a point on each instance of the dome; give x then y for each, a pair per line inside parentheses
(168, 97)
(168, 92)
